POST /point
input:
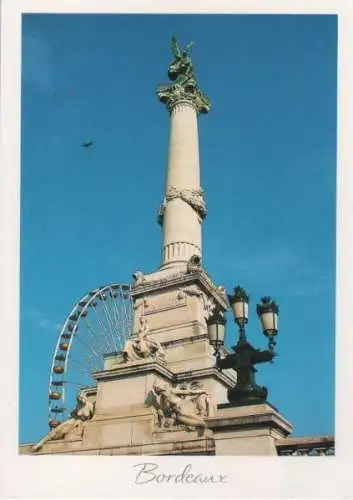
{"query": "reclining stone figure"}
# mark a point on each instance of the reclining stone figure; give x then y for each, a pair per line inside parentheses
(175, 406)
(74, 425)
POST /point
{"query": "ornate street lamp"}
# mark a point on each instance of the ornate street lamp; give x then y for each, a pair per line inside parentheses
(245, 356)
(239, 304)
(216, 328)
(268, 313)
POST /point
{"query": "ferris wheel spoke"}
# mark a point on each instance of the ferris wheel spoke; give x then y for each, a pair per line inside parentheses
(83, 367)
(88, 358)
(121, 318)
(97, 342)
(85, 372)
(103, 298)
(72, 382)
(121, 326)
(115, 317)
(102, 340)
(91, 349)
(77, 362)
(126, 315)
(111, 344)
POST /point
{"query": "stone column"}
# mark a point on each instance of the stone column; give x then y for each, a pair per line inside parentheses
(183, 208)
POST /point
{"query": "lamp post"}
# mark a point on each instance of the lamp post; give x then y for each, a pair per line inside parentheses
(268, 313)
(245, 356)
(216, 328)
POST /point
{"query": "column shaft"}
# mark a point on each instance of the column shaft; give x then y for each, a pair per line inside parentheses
(181, 222)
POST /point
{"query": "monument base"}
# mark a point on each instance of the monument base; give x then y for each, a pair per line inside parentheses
(126, 420)
(248, 430)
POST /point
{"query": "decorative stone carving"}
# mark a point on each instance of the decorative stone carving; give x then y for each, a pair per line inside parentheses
(167, 303)
(139, 278)
(185, 406)
(181, 295)
(141, 303)
(205, 406)
(143, 346)
(208, 307)
(194, 197)
(157, 278)
(190, 92)
(194, 264)
(72, 427)
(208, 303)
(191, 292)
(222, 292)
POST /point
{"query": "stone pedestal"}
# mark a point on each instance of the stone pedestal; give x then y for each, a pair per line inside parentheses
(126, 386)
(176, 306)
(125, 421)
(248, 430)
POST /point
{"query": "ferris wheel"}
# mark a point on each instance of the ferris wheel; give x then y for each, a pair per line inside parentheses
(99, 324)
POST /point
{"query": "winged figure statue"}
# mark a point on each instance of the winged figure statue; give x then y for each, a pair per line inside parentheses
(181, 69)
(181, 72)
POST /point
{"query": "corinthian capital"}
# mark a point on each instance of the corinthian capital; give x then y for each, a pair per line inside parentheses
(188, 93)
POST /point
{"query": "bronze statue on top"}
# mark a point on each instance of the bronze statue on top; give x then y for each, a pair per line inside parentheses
(184, 87)
(181, 70)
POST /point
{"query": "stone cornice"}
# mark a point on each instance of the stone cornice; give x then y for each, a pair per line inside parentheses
(200, 445)
(199, 277)
(204, 373)
(143, 367)
(183, 340)
(89, 390)
(132, 368)
(306, 441)
(253, 420)
(168, 343)
(251, 416)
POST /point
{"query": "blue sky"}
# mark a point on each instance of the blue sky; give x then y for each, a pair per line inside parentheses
(268, 168)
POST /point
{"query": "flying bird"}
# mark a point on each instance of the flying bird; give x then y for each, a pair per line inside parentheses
(87, 144)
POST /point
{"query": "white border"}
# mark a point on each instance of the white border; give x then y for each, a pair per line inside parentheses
(112, 476)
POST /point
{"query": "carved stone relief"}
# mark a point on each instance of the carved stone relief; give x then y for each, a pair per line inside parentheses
(194, 264)
(146, 307)
(139, 278)
(194, 197)
(143, 346)
(184, 406)
(208, 303)
(141, 304)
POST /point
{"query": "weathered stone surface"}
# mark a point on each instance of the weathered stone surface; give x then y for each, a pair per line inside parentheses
(124, 423)
(248, 430)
